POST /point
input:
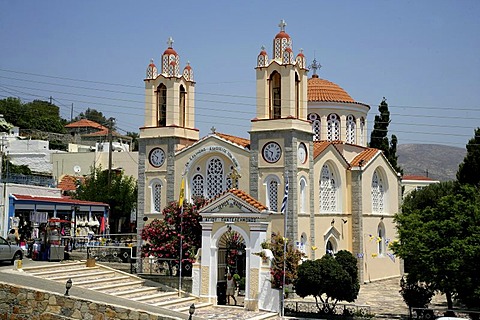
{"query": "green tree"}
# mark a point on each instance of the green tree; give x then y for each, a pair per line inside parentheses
(415, 294)
(134, 136)
(162, 236)
(329, 279)
(469, 169)
(10, 168)
(121, 194)
(379, 136)
(291, 258)
(439, 239)
(38, 115)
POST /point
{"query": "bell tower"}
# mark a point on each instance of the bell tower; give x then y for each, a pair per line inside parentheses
(169, 126)
(281, 135)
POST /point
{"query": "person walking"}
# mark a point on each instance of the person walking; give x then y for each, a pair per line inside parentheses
(231, 286)
(12, 238)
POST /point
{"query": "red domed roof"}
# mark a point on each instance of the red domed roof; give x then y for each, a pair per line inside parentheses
(170, 50)
(326, 91)
(282, 34)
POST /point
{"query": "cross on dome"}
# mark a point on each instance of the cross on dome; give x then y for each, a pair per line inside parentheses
(282, 25)
(314, 66)
(170, 42)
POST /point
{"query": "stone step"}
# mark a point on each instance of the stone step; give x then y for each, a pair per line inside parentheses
(174, 302)
(63, 270)
(134, 293)
(101, 280)
(112, 287)
(186, 306)
(53, 266)
(82, 275)
(157, 295)
(265, 316)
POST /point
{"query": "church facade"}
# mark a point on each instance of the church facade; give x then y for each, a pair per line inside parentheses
(342, 195)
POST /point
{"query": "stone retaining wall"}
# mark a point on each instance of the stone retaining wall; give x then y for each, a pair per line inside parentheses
(25, 303)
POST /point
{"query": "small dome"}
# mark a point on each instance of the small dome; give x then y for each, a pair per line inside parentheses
(282, 34)
(326, 91)
(170, 51)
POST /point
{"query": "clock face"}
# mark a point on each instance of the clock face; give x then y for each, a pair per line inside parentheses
(156, 157)
(271, 152)
(302, 153)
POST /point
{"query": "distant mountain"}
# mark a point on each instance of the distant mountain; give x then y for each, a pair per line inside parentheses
(441, 162)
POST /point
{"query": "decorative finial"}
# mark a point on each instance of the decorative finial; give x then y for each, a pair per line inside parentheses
(213, 129)
(170, 42)
(188, 63)
(151, 61)
(314, 66)
(282, 25)
(301, 50)
(263, 48)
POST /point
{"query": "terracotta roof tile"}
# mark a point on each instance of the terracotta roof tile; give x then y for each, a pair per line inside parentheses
(319, 147)
(242, 195)
(324, 90)
(416, 177)
(69, 183)
(364, 157)
(237, 140)
(85, 123)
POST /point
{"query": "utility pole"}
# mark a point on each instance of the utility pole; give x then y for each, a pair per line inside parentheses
(51, 99)
(71, 114)
(110, 125)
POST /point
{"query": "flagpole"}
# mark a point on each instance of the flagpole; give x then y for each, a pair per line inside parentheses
(180, 203)
(284, 209)
(181, 252)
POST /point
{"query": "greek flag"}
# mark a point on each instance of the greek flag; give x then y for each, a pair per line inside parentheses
(285, 196)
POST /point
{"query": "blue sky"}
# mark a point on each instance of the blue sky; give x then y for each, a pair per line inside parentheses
(423, 56)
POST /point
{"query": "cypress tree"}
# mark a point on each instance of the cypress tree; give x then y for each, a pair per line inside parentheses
(379, 136)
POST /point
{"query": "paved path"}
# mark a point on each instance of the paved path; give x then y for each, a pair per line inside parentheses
(383, 296)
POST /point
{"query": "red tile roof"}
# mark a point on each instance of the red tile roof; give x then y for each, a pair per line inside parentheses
(242, 195)
(58, 200)
(237, 140)
(85, 123)
(324, 90)
(415, 177)
(363, 157)
(319, 147)
(69, 183)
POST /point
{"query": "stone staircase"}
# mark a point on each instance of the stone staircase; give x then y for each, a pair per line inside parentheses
(120, 284)
(114, 282)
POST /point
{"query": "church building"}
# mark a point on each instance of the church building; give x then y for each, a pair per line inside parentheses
(308, 133)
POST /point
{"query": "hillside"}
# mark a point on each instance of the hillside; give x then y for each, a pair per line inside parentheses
(440, 161)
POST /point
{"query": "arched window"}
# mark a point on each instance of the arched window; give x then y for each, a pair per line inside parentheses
(272, 183)
(275, 96)
(381, 238)
(350, 129)
(333, 127)
(156, 188)
(303, 194)
(297, 96)
(362, 126)
(378, 193)
(162, 105)
(181, 104)
(330, 247)
(302, 244)
(328, 190)
(215, 178)
(198, 184)
(315, 118)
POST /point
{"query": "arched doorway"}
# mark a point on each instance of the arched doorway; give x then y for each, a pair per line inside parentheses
(232, 258)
